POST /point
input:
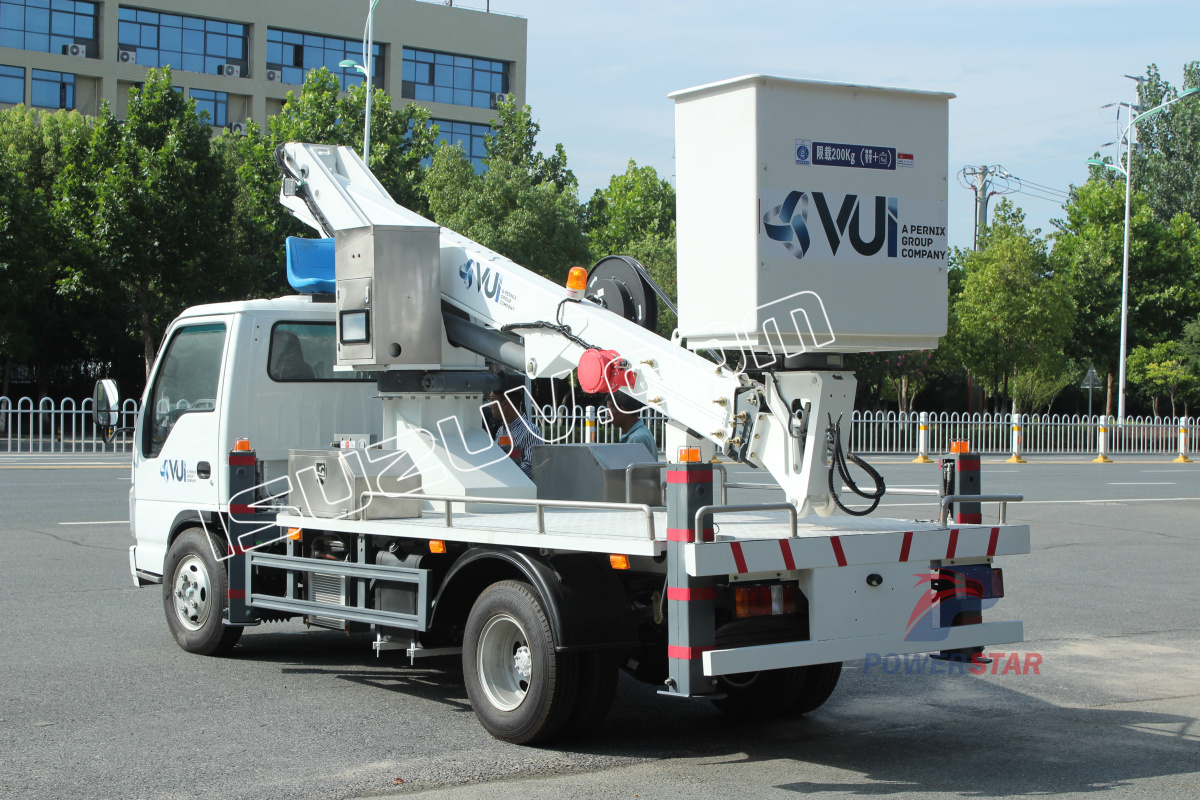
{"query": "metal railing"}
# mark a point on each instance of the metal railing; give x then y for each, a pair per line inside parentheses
(892, 432)
(64, 426)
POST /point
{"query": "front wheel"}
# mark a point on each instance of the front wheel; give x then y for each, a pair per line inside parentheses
(522, 690)
(195, 594)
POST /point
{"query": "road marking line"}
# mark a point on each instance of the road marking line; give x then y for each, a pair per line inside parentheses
(1135, 483)
(101, 522)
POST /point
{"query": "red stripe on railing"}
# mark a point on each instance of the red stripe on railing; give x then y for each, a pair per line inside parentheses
(838, 553)
(237, 594)
(904, 548)
(993, 540)
(686, 653)
(686, 595)
(241, 460)
(241, 508)
(953, 545)
(739, 560)
(786, 548)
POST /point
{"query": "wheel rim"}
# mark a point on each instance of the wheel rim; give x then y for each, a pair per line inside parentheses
(192, 593)
(503, 662)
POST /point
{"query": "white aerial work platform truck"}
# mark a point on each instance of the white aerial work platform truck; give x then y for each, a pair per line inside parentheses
(323, 456)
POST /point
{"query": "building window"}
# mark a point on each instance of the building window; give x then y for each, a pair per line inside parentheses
(457, 80)
(216, 104)
(12, 85)
(53, 89)
(291, 54)
(49, 26)
(470, 136)
(191, 44)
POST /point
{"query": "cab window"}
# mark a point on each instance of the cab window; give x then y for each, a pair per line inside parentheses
(186, 382)
(306, 351)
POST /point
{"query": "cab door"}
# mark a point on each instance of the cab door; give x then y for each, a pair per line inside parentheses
(177, 455)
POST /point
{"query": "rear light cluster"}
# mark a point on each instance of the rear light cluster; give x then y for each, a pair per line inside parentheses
(765, 601)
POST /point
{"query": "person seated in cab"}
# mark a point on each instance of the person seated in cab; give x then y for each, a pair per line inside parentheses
(625, 411)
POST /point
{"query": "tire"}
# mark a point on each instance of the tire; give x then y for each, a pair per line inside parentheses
(521, 689)
(759, 695)
(598, 674)
(819, 682)
(195, 594)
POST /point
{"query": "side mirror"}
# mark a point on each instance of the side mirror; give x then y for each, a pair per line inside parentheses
(106, 405)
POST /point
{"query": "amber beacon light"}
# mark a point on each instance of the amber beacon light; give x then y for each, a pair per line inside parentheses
(576, 283)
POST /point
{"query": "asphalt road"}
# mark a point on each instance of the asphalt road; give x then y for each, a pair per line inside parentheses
(97, 701)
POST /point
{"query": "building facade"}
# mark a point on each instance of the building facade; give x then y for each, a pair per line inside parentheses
(240, 58)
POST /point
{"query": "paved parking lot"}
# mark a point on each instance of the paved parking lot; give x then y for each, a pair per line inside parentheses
(96, 700)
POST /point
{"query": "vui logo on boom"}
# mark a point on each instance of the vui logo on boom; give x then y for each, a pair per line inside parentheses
(475, 274)
(787, 223)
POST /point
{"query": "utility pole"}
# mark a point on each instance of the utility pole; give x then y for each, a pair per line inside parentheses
(982, 180)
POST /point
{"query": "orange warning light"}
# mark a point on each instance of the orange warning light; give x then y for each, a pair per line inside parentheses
(960, 447)
(294, 534)
(241, 445)
(619, 561)
(689, 454)
(577, 280)
(437, 546)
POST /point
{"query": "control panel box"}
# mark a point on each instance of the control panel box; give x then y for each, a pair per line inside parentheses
(811, 216)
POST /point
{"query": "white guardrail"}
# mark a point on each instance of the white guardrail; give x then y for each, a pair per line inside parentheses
(65, 426)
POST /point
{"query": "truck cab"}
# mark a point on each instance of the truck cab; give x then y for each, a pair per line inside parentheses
(261, 370)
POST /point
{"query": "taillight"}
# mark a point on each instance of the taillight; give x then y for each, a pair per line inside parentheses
(764, 601)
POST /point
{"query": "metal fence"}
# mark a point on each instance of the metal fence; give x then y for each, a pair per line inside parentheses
(892, 432)
(65, 426)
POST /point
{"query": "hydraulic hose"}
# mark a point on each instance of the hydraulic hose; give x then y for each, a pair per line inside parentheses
(837, 462)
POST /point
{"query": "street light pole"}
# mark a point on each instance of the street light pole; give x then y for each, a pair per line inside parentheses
(1130, 138)
(368, 60)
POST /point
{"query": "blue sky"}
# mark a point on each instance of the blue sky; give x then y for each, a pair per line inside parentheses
(1030, 76)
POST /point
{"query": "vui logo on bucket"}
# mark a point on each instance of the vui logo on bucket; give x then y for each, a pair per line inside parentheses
(787, 223)
(483, 279)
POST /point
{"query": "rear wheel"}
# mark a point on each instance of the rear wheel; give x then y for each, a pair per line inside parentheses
(818, 684)
(759, 695)
(196, 596)
(598, 674)
(522, 690)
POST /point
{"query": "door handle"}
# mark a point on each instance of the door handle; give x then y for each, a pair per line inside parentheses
(203, 470)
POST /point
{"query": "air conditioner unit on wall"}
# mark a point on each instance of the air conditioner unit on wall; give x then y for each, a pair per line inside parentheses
(237, 128)
(127, 56)
(77, 50)
(230, 70)
(498, 98)
(274, 75)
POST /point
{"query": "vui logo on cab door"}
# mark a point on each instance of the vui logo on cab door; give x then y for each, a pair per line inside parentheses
(173, 470)
(787, 223)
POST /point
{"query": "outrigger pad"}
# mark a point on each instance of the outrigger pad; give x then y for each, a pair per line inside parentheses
(310, 265)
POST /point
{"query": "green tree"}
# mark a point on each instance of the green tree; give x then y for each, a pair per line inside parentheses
(635, 216)
(39, 324)
(1015, 313)
(524, 205)
(400, 138)
(1161, 369)
(1164, 289)
(1166, 163)
(153, 205)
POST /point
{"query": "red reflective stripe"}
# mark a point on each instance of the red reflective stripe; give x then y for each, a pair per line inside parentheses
(685, 476)
(904, 548)
(969, 519)
(681, 593)
(786, 548)
(241, 508)
(838, 553)
(237, 594)
(950, 548)
(686, 653)
(681, 535)
(738, 559)
(993, 540)
(241, 460)
(968, 464)
(237, 550)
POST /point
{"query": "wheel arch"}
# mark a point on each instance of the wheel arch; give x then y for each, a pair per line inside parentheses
(585, 602)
